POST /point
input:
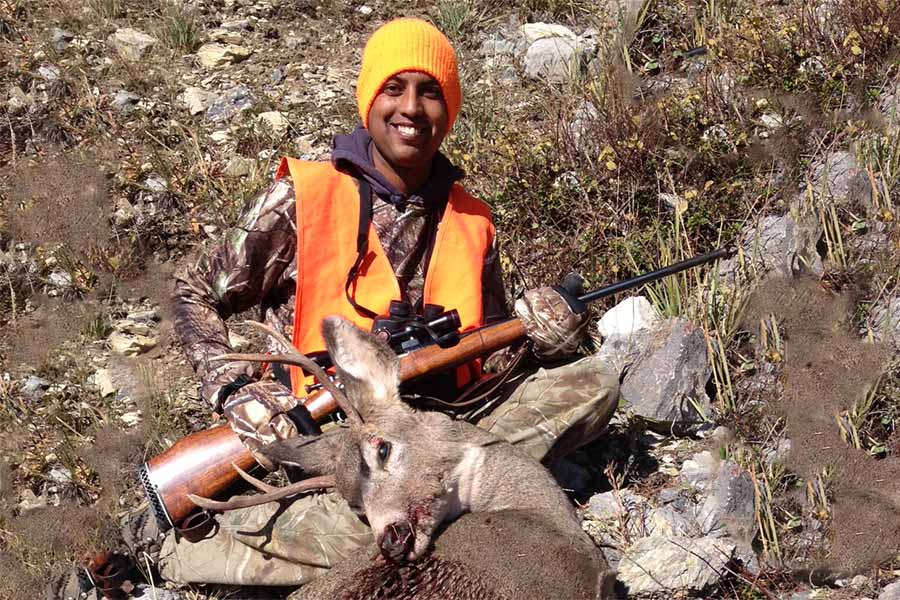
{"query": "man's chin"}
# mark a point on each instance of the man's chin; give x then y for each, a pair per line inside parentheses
(410, 161)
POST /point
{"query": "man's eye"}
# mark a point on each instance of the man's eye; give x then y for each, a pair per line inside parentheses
(392, 89)
(433, 92)
(384, 450)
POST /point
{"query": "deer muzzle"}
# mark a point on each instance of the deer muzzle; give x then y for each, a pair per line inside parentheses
(397, 541)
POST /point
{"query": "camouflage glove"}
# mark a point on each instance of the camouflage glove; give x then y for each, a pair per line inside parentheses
(217, 379)
(554, 320)
(260, 413)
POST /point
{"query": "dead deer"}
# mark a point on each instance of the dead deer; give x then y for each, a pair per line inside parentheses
(512, 532)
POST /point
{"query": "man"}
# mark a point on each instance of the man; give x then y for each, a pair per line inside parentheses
(386, 219)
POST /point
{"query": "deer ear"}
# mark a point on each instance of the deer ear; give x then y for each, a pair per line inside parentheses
(313, 455)
(368, 368)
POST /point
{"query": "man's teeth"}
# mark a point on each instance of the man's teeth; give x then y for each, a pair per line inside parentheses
(406, 130)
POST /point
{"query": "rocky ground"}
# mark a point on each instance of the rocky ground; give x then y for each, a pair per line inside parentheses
(756, 452)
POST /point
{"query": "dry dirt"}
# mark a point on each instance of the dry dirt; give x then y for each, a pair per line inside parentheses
(60, 201)
(826, 369)
(64, 202)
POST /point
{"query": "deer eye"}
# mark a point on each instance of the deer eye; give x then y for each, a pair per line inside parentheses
(384, 450)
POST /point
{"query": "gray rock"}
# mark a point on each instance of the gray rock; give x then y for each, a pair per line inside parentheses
(621, 352)
(156, 184)
(628, 318)
(679, 499)
(131, 44)
(60, 279)
(130, 345)
(125, 213)
(814, 67)
(229, 103)
(18, 101)
(666, 521)
(613, 505)
(890, 592)
(102, 380)
(277, 76)
(60, 39)
(838, 177)
(216, 54)
(239, 166)
(783, 245)
(580, 127)
(497, 46)
(132, 418)
(618, 510)
(60, 475)
(666, 385)
(225, 36)
(273, 122)
(34, 387)
(555, 59)
(149, 315)
(197, 99)
(700, 470)
(656, 564)
(237, 25)
(28, 500)
(885, 321)
(49, 72)
(134, 327)
(729, 509)
(146, 592)
(124, 102)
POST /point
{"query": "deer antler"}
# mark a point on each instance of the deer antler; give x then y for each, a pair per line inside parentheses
(272, 494)
(295, 358)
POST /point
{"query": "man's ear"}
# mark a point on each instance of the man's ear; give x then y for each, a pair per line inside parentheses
(366, 366)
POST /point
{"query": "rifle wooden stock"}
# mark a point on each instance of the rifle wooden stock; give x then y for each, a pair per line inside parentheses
(200, 463)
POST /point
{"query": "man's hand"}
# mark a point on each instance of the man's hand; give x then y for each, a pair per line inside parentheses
(258, 414)
(554, 320)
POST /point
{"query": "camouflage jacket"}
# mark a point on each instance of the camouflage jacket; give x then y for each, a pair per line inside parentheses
(256, 264)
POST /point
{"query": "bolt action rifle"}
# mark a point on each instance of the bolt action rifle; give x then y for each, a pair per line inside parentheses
(201, 463)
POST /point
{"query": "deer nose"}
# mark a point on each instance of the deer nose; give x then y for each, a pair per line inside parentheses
(396, 541)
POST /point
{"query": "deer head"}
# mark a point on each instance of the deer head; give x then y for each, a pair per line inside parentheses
(395, 465)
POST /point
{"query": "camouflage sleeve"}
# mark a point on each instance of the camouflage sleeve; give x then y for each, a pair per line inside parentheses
(252, 261)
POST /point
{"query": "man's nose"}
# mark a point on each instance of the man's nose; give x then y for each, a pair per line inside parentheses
(411, 103)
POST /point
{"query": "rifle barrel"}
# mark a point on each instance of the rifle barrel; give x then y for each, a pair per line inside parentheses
(640, 280)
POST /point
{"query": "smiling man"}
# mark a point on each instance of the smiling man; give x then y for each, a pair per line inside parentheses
(385, 219)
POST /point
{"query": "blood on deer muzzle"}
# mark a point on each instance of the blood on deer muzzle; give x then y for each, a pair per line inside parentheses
(397, 541)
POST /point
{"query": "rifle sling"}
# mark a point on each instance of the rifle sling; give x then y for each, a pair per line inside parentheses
(362, 244)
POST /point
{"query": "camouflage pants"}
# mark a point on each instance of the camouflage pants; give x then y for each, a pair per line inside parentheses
(548, 413)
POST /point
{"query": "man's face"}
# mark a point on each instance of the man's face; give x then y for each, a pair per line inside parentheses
(409, 120)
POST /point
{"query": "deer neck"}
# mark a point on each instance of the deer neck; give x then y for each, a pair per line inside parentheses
(465, 485)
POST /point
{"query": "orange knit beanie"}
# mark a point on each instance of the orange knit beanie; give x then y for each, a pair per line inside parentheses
(407, 45)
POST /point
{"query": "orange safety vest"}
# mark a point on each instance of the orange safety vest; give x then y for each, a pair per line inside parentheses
(327, 210)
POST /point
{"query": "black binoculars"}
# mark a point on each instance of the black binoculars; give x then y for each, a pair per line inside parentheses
(404, 330)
